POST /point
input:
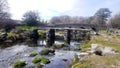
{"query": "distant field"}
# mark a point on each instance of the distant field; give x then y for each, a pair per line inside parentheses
(26, 27)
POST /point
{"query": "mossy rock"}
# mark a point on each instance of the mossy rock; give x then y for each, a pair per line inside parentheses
(33, 54)
(19, 64)
(58, 46)
(52, 51)
(45, 52)
(39, 65)
(45, 60)
(36, 60)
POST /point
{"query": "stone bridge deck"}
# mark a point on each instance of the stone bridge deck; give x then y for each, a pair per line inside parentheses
(64, 28)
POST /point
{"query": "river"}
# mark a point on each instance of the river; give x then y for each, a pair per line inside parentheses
(15, 52)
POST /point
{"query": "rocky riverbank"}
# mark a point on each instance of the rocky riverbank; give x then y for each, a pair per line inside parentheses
(102, 51)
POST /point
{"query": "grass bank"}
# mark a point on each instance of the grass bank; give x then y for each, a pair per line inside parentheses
(94, 61)
(98, 62)
(105, 39)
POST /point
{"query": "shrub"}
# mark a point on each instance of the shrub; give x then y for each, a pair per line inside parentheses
(13, 36)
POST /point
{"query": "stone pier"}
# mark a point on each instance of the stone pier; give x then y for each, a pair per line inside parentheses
(50, 39)
(34, 35)
(67, 36)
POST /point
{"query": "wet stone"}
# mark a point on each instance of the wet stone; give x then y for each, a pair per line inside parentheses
(50, 37)
(67, 36)
(64, 60)
(34, 34)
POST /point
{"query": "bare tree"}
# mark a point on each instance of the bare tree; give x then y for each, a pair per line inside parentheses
(4, 9)
(114, 22)
(4, 14)
(55, 20)
(81, 20)
(89, 20)
(65, 19)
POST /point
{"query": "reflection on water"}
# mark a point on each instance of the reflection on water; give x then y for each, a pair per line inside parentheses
(43, 42)
(73, 45)
(17, 52)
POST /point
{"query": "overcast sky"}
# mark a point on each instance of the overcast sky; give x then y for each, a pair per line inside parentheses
(50, 8)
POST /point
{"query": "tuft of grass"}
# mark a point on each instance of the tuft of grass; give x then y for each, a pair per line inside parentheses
(33, 54)
(13, 35)
(19, 64)
(82, 64)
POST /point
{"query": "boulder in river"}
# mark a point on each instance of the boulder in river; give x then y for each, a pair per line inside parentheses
(47, 52)
(19, 64)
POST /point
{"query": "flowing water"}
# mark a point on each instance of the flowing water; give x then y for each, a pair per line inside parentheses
(61, 59)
